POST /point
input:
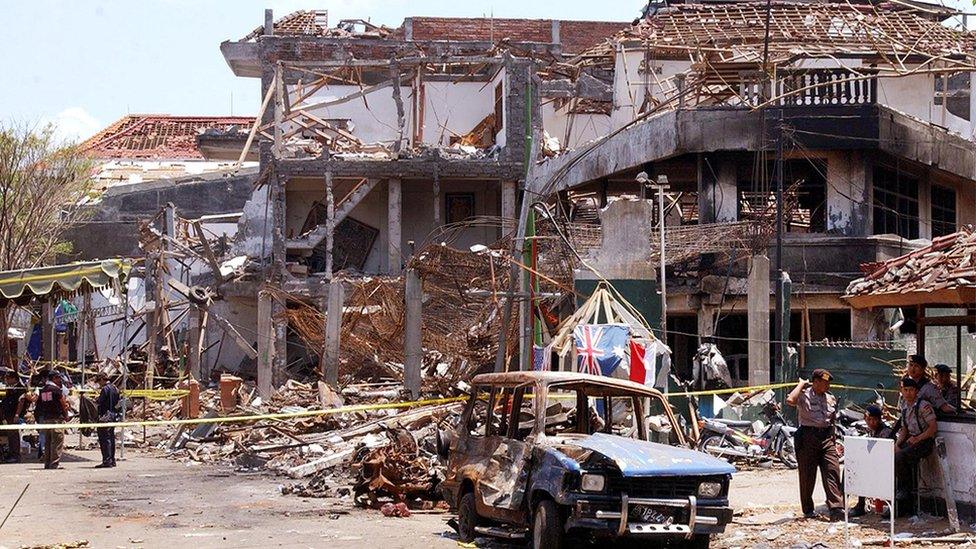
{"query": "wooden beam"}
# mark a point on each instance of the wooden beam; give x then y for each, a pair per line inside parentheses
(243, 343)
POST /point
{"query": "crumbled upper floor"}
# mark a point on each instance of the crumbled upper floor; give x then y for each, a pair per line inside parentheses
(573, 36)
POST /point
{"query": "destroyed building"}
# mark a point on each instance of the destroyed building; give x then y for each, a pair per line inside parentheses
(869, 104)
(141, 162)
(376, 142)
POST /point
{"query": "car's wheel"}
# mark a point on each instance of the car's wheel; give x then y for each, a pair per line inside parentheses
(787, 451)
(467, 518)
(547, 526)
(718, 446)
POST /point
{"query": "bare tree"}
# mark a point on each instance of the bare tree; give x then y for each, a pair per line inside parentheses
(42, 183)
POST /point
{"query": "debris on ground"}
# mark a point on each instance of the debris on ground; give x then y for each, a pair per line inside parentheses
(371, 456)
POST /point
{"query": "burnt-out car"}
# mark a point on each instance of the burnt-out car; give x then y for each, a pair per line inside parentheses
(555, 456)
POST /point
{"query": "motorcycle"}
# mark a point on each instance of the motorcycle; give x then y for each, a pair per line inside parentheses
(751, 441)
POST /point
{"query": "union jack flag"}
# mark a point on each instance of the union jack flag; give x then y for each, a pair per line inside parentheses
(600, 348)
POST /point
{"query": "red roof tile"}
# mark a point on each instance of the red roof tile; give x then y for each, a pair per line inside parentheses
(948, 263)
(158, 136)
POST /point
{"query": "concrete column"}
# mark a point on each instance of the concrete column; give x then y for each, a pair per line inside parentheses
(412, 334)
(508, 206)
(266, 348)
(758, 319)
(393, 228)
(718, 198)
(706, 322)
(437, 200)
(280, 360)
(848, 194)
(193, 341)
(329, 366)
(925, 206)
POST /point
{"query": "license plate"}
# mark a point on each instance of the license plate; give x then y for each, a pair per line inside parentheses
(647, 514)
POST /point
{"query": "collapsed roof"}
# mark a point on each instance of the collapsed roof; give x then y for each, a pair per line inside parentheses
(158, 136)
(943, 272)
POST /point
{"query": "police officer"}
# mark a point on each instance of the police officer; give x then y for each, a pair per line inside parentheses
(108, 401)
(816, 446)
(915, 441)
(947, 388)
(926, 389)
(51, 408)
(877, 428)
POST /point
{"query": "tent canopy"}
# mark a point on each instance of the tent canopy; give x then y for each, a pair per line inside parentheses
(85, 277)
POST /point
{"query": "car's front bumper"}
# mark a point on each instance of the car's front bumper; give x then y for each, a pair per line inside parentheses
(671, 517)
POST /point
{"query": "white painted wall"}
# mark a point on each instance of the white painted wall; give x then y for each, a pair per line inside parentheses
(586, 127)
(629, 83)
(454, 109)
(451, 108)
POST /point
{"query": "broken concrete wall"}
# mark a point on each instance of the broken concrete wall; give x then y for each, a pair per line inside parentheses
(585, 127)
(112, 229)
(254, 228)
(848, 193)
(632, 81)
(418, 219)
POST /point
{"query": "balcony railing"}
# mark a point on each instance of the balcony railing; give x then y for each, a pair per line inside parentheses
(813, 87)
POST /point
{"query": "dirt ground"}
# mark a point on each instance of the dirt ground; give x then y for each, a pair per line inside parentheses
(155, 502)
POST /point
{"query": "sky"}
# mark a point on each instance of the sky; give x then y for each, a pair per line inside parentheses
(82, 64)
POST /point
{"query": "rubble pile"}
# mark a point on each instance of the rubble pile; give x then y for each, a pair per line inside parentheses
(375, 456)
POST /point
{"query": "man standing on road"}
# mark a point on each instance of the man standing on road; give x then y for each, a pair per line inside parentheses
(51, 407)
(108, 401)
(816, 446)
(12, 409)
(876, 429)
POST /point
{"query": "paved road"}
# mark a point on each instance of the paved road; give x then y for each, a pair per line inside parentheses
(156, 502)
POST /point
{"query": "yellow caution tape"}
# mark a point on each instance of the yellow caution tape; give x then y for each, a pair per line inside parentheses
(151, 394)
(235, 419)
(169, 394)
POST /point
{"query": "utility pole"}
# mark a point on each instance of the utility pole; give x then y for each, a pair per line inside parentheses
(779, 336)
(661, 187)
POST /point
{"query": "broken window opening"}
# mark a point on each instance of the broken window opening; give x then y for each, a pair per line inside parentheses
(804, 197)
(953, 91)
(943, 210)
(458, 207)
(895, 203)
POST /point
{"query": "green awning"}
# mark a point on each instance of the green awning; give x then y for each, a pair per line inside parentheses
(84, 277)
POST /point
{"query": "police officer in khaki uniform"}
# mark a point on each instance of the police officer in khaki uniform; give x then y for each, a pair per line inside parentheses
(816, 446)
(915, 441)
(927, 390)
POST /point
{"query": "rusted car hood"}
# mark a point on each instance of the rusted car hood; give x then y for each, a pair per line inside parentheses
(639, 457)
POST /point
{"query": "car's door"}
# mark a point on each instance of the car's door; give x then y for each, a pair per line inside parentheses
(502, 486)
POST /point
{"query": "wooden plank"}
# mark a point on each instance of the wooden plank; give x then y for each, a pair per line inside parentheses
(244, 344)
(208, 253)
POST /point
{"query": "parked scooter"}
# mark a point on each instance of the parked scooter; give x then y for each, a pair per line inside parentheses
(751, 441)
